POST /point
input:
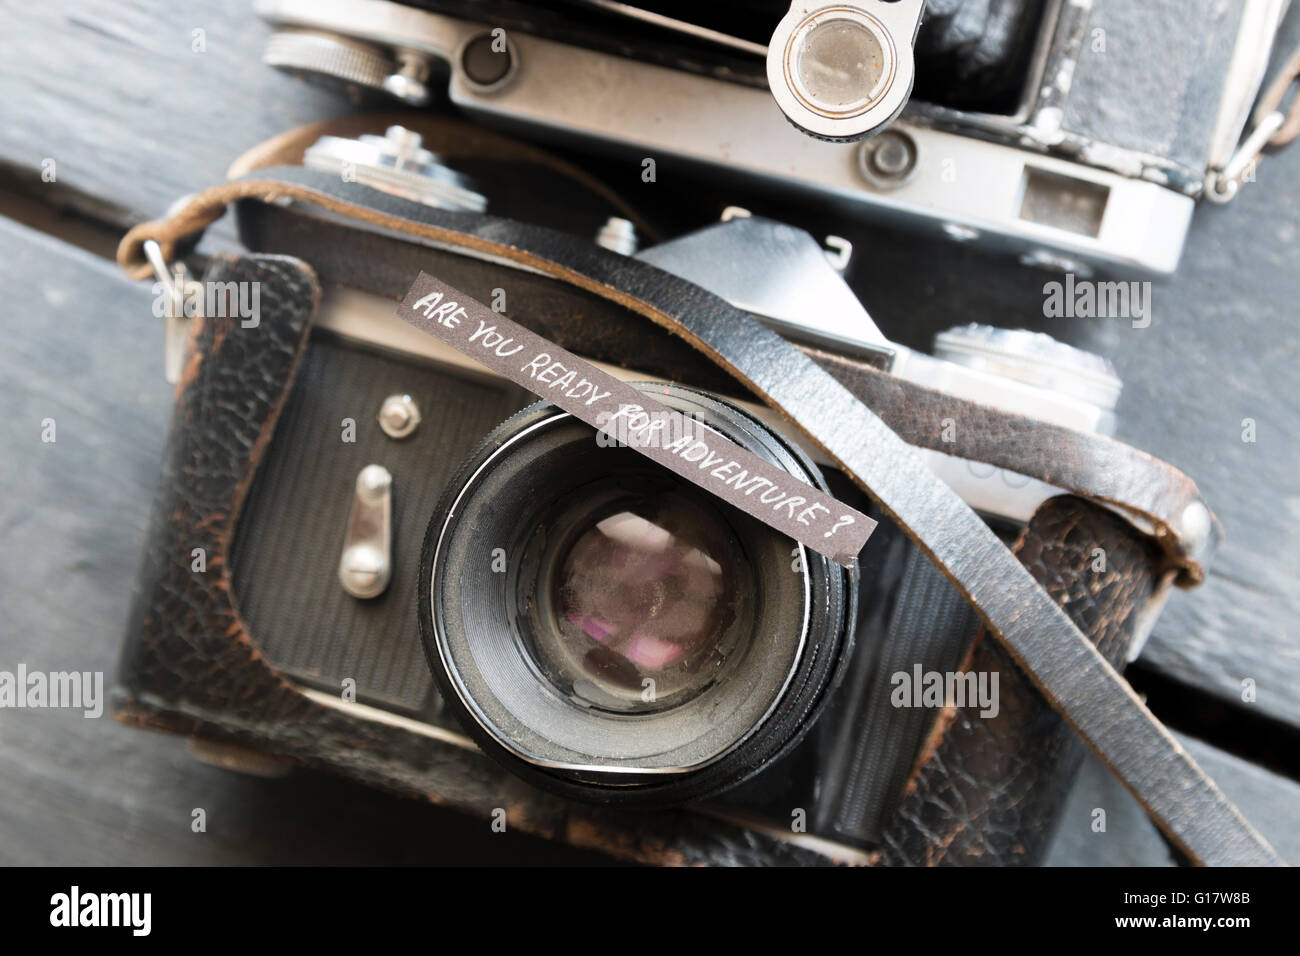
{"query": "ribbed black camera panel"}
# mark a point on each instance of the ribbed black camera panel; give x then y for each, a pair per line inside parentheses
(290, 535)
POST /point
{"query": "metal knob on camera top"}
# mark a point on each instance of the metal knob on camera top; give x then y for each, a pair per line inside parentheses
(841, 71)
(403, 74)
(396, 163)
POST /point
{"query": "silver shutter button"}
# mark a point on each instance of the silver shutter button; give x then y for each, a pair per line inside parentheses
(367, 563)
(399, 416)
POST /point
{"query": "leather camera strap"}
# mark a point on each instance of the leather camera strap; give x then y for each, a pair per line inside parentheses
(1064, 665)
(1155, 497)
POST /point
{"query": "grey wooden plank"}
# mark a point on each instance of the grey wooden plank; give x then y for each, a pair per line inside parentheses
(134, 118)
(81, 347)
(132, 114)
(1131, 839)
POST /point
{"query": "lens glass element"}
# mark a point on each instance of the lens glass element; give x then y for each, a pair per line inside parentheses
(643, 609)
(840, 64)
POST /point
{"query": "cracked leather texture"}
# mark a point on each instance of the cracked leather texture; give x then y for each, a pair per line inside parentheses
(989, 788)
(984, 793)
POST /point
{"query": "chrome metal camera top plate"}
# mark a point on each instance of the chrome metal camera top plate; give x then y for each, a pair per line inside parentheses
(960, 185)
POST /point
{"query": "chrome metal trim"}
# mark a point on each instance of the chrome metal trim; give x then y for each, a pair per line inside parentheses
(1259, 24)
(678, 26)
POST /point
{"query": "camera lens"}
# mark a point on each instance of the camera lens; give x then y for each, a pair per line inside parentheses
(613, 632)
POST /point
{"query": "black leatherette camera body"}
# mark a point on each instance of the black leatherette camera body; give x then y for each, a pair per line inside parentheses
(254, 651)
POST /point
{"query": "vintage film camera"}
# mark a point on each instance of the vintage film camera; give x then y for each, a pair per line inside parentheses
(311, 450)
(418, 576)
(1072, 134)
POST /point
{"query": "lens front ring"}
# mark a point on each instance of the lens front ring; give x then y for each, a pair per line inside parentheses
(744, 698)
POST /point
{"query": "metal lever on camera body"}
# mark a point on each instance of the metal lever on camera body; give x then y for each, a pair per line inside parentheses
(183, 296)
(366, 565)
(842, 71)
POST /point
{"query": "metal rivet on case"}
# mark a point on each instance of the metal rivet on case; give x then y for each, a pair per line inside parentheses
(399, 416)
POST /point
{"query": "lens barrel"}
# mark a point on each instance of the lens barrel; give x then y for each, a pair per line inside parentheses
(614, 633)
